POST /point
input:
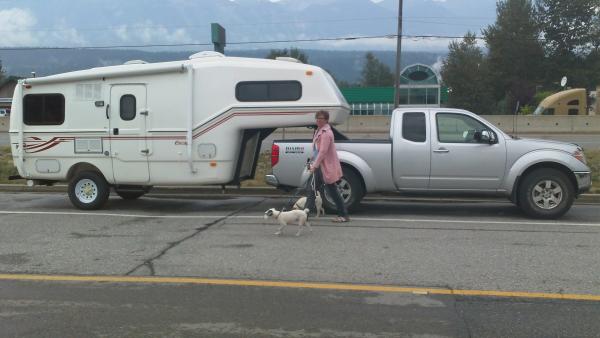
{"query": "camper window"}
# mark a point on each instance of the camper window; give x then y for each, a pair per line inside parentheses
(573, 103)
(43, 109)
(260, 91)
(127, 109)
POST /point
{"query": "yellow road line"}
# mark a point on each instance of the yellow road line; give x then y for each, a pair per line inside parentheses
(296, 285)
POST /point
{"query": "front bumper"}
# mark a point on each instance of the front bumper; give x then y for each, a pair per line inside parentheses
(271, 180)
(584, 181)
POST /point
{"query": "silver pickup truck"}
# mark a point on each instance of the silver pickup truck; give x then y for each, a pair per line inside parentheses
(444, 151)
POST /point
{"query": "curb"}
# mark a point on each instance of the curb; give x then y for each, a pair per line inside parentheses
(266, 191)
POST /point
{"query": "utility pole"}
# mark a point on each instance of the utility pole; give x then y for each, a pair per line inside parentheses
(398, 56)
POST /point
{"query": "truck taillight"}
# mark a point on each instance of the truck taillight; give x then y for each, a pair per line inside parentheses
(274, 155)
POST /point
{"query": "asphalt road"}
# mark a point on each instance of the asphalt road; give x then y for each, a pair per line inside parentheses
(465, 269)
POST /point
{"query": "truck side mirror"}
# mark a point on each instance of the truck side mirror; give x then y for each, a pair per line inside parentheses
(487, 136)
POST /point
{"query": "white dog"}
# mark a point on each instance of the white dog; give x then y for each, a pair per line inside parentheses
(288, 217)
(301, 203)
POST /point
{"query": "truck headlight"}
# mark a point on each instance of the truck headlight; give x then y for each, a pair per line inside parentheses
(578, 154)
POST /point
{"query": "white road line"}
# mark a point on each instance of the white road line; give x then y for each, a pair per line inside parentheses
(61, 213)
(367, 219)
(421, 220)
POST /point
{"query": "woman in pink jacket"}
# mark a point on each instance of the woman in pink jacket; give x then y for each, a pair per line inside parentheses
(325, 166)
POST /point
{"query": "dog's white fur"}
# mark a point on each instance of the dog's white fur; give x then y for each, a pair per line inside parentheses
(301, 203)
(288, 217)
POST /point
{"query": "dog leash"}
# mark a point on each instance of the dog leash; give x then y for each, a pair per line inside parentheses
(311, 184)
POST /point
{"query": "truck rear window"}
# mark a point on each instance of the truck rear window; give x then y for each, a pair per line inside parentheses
(413, 127)
(261, 91)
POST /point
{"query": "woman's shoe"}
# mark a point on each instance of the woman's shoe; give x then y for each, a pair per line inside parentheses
(341, 219)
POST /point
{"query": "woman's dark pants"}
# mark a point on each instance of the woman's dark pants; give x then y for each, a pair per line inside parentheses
(332, 191)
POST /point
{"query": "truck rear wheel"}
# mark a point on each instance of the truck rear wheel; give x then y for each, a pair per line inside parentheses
(350, 188)
(546, 193)
(88, 190)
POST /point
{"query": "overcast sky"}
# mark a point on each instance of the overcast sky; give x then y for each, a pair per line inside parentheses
(28, 23)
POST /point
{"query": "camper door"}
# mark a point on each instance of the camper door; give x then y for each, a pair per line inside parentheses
(128, 144)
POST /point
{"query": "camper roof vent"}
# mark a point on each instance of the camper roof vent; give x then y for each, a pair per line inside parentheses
(135, 62)
(206, 54)
(288, 59)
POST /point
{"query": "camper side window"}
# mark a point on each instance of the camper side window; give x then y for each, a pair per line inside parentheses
(127, 109)
(43, 109)
(261, 91)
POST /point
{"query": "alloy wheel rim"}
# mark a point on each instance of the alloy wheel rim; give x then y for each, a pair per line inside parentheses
(345, 190)
(547, 194)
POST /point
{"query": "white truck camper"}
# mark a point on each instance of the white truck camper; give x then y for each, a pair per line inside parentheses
(193, 122)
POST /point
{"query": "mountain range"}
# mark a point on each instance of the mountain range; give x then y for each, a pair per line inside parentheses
(116, 22)
(343, 65)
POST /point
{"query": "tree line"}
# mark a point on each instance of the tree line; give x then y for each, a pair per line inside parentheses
(521, 60)
(530, 47)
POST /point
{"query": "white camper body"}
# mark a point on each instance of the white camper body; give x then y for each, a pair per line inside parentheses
(133, 126)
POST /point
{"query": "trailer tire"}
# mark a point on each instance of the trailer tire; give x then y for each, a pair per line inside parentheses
(350, 187)
(88, 190)
(546, 193)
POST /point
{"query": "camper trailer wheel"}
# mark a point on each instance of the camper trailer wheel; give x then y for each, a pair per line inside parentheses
(88, 190)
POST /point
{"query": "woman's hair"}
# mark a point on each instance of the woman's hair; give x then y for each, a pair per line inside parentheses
(323, 113)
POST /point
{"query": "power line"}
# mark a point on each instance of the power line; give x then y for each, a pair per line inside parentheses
(388, 36)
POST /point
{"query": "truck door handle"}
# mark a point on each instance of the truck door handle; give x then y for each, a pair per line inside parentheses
(441, 150)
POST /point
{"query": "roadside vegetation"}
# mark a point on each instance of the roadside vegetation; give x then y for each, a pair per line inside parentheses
(262, 168)
(593, 159)
(6, 166)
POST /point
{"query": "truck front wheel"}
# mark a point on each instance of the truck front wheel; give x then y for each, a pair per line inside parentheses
(88, 190)
(546, 193)
(350, 188)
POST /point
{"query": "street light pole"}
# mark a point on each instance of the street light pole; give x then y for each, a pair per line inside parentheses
(398, 56)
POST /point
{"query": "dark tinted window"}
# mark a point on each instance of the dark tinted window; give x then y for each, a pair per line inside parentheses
(413, 127)
(258, 91)
(548, 111)
(44, 109)
(127, 109)
(573, 103)
(573, 111)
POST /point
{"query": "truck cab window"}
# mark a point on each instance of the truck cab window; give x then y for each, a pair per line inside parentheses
(413, 127)
(43, 109)
(127, 107)
(457, 128)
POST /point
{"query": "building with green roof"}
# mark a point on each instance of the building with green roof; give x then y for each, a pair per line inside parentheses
(419, 87)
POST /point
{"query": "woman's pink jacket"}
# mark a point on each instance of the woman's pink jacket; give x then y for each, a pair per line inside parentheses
(327, 158)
